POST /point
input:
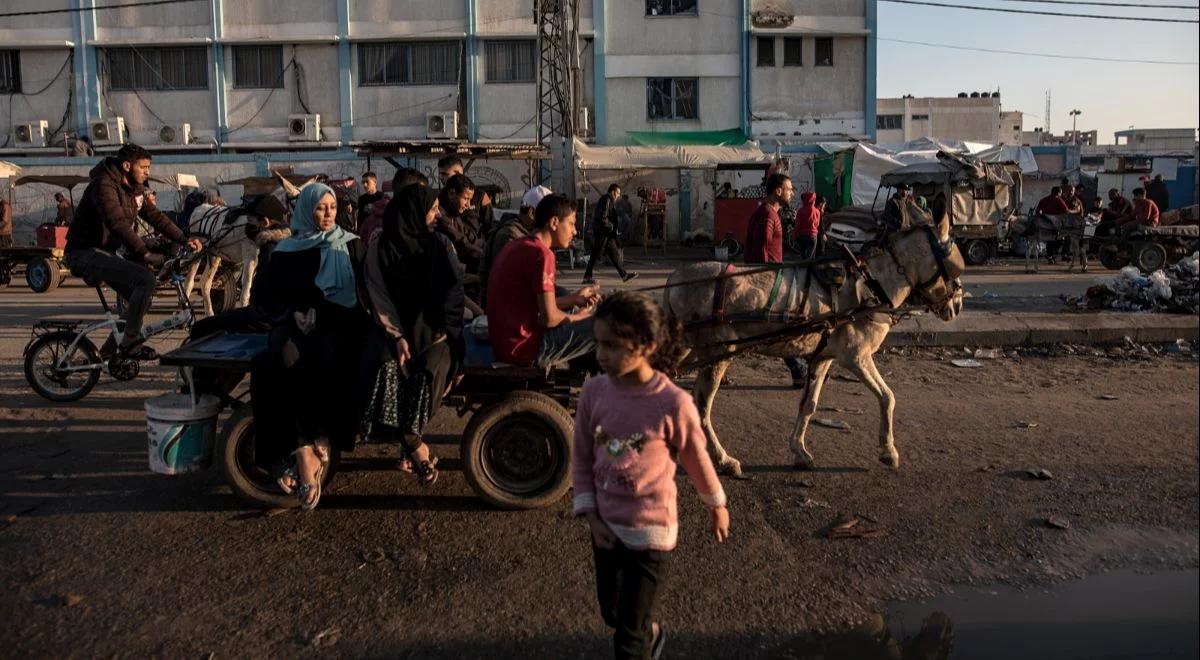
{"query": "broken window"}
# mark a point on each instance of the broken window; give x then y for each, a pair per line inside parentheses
(824, 54)
(766, 51)
(672, 98)
(671, 7)
(793, 51)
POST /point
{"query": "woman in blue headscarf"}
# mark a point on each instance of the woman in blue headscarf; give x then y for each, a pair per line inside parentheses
(304, 390)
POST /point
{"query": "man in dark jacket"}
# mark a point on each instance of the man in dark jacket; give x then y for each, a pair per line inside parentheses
(459, 222)
(1156, 191)
(605, 236)
(105, 221)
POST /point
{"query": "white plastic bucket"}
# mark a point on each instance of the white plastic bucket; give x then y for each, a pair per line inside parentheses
(181, 435)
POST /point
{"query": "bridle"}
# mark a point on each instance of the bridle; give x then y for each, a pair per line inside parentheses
(941, 287)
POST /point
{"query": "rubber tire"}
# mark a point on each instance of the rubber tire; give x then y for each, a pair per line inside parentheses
(1111, 258)
(239, 428)
(43, 275)
(1149, 257)
(976, 252)
(84, 344)
(546, 411)
(225, 290)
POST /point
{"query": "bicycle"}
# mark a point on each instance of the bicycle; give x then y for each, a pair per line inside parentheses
(62, 363)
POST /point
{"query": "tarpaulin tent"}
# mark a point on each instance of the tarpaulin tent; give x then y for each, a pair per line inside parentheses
(832, 177)
(8, 170)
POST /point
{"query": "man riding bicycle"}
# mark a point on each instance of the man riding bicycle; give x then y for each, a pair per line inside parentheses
(106, 221)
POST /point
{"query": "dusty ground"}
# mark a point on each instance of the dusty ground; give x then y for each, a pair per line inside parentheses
(102, 558)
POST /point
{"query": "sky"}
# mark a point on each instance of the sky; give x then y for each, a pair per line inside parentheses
(1112, 96)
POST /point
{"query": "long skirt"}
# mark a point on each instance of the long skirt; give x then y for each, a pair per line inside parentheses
(399, 407)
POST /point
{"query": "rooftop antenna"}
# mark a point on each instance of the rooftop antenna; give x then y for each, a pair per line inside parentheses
(1047, 111)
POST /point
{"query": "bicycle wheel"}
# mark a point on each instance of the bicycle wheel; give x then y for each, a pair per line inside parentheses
(45, 375)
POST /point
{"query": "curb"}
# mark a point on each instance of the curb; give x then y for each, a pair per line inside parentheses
(1031, 329)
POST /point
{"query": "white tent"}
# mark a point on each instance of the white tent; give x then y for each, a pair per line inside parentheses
(8, 170)
(590, 157)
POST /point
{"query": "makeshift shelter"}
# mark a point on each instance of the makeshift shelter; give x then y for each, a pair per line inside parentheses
(9, 170)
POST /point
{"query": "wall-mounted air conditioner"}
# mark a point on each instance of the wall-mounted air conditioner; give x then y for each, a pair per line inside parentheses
(33, 134)
(585, 121)
(304, 128)
(442, 125)
(175, 134)
(107, 131)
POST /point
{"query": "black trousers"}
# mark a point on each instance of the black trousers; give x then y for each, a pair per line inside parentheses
(133, 282)
(609, 246)
(627, 586)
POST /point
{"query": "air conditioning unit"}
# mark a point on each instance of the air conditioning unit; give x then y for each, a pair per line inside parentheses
(585, 121)
(304, 128)
(33, 134)
(442, 125)
(175, 134)
(107, 131)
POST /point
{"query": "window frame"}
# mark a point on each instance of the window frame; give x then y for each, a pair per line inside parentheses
(759, 52)
(406, 47)
(695, 11)
(817, 41)
(919, 117)
(799, 41)
(11, 84)
(675, 100)
(882, 120)
(487, 46)
(145, 59)
(261, 83)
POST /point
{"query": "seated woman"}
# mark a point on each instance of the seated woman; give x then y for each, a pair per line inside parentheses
(415, 285)
(302, 388)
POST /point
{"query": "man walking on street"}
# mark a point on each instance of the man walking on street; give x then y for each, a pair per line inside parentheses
(605, 238)
(104, 222)
(764, 245)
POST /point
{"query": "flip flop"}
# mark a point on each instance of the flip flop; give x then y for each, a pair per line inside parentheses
(660, 640)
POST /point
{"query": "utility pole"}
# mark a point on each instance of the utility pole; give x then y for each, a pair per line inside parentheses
(558, 76)
(1074, 130)
(1047, 112)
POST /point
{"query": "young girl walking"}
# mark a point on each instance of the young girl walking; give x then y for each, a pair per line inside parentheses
(632, 426)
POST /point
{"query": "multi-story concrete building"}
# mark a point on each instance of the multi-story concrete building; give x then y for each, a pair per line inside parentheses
(263, 75)
(1157, 140)
(974, 117)
(1039, 137)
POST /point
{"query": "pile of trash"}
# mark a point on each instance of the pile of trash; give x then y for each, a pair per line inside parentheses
(1173, 289)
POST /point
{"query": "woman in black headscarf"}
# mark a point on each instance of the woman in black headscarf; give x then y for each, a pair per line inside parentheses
(415, 284)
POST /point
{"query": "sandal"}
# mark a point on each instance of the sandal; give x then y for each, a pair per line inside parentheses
(426, 471)
(286, 477)
(309, 494)
(656, 646)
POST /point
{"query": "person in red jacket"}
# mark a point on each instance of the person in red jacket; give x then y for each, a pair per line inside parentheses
(808, 224)
(1053, 203)
(1145, 211)
(764, 231)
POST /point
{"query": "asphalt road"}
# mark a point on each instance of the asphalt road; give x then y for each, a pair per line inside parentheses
(102, 558)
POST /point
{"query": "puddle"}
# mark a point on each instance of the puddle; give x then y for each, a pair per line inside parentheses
(1121, 614)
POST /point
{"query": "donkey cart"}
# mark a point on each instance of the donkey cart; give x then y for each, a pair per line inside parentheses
(515, 451)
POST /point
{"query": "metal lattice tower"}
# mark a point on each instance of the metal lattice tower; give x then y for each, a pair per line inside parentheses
(557, 22)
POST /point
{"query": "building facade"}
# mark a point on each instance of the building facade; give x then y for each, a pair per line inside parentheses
(1038, 137)
(324, 74)
(1157, 140)
(974, 117)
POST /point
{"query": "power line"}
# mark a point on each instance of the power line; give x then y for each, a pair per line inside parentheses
(1052, 55)
(1045, 13)
(1106, 4)
(76, 10)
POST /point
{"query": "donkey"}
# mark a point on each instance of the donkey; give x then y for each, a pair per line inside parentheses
(921, 260)
(226, 239)
(1038, 229)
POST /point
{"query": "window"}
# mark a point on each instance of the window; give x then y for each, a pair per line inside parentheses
(672, 98)
(920, 117)
(983, 192)
(10, 72)
(889, 122)
(409, 63)
(258, 67)
(511, 61)
(824, 51)
(671, 7)
(156, 69)
(793, 53)
(1017, 127)
(766, 51)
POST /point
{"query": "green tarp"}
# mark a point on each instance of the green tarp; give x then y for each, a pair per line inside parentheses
(832, 175)
(731, 137)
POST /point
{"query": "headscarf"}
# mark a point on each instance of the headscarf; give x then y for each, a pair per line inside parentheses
(422, 277)
(335, 276)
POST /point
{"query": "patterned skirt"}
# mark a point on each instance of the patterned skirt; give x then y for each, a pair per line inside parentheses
(398, 407)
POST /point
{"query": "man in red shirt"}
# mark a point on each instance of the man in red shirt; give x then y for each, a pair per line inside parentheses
(764, 231)
(1053, 203)
(1145, 211)
(527, 321)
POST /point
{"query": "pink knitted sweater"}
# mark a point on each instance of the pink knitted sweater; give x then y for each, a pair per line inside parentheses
(627, 441)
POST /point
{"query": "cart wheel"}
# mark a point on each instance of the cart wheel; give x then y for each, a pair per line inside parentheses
(976, 252)
(1149, 257)
(516, 453)
(42, 275)
(1112, 258)
(250, 482)
(43, 375)
(225, 290)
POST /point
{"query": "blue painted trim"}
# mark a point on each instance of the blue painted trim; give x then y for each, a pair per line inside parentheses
(345, 73)
(185, 159)
(744, 24)
(89, 102)
(472, 73)
(220, 98)
(872, 57)
(79, 69)
(599, 82)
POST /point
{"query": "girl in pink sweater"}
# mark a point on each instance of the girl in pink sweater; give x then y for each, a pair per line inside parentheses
(631, 427)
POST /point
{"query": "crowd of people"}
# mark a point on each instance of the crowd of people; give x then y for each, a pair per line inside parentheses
(365, 304)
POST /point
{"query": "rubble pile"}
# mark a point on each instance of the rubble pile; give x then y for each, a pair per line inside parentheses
(1173, 289)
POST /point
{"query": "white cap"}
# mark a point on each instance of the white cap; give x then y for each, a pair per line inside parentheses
(534, 196)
